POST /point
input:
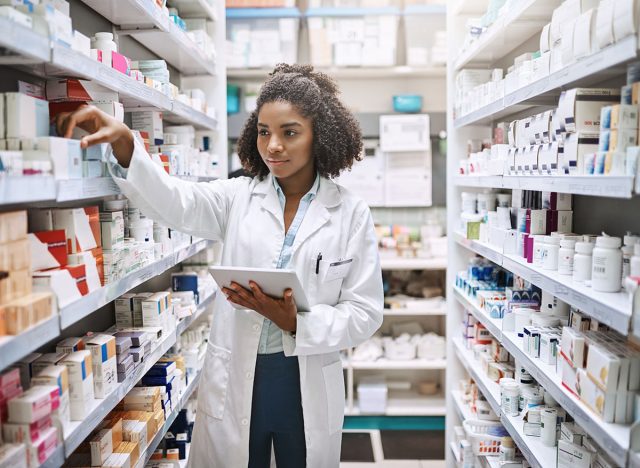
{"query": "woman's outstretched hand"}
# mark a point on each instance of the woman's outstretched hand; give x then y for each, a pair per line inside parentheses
(282, 312)
(102, 129)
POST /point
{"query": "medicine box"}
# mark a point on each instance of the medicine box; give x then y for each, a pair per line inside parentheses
(150, 122)
(154, 307)
(48, 360)
(34, 404)
(573, 347)
(112, 229)
(580, 107)
(42, 448)
(77, 223)
(25, 432)
(103, 356)
(576, 147)
(601, 402)
(603, 367)
(71, 89)
(26, 116)
(102, 445)
(70, 345)
(573, 455)
(81, 392)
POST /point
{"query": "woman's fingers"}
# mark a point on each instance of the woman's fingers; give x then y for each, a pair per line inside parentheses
(244, 295)
(104, 135)
(75, 119)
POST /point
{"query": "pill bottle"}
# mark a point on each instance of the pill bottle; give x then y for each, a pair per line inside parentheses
(606, 264)
(538, 244)
(634, 266)
(550, 252)
(565, 256)
(582, 261)
(104, 41)
(507, 449)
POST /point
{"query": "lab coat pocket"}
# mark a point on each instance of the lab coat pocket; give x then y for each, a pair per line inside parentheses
(329, 280)
(215, 381)
(334, 386)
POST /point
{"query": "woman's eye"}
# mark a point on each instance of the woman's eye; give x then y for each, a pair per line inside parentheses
(263, 132)
(290, 133)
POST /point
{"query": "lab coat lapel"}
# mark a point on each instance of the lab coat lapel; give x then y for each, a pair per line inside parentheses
(270, 200)
(318, 214)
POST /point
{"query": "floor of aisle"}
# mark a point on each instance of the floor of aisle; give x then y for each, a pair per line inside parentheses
(366, 449)
(396, 464)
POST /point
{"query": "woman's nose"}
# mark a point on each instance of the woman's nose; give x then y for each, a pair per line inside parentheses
(274, 145)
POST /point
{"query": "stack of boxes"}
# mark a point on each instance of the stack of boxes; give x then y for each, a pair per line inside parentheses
(79, 269)
(81, 386)
(131, 348)
(20, 308)
(103, 358)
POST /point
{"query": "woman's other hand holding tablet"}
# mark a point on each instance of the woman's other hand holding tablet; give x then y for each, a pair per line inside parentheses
(283, 312)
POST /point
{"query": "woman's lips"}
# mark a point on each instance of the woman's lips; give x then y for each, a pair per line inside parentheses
(276, 162)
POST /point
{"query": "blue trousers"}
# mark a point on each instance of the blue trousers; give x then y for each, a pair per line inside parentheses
(276, 413)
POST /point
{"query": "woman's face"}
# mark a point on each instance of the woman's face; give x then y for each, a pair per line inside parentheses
(285, 139)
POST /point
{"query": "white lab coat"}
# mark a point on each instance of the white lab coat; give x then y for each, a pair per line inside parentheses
(246, 215)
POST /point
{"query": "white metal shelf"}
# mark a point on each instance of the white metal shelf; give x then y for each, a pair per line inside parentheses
(144, 21)
(27, 46)
(56, 460)
(194, 9)
(184, 114)
(18, 190)
(386, 364)
(68, 62)
(184, 398)
(593, 185)
(78, 431)
(16, 347)
(489, 389)
(509, 31)
(615, 438)
(611, 309)
(86, 189)
(407, 404)
(356, 73)
(536, 454)
(605, 64)
(93, 301)
(464, 411)
(414, 313)
(390, 263)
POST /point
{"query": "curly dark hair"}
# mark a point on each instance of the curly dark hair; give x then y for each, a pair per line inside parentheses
(337, 138)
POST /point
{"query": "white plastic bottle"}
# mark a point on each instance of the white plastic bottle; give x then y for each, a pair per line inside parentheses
(507, 449)
(582, 261)
(634, 266)
(550, 252)
(104, 41)
(627, 252)
(606, 264)
(565, 256)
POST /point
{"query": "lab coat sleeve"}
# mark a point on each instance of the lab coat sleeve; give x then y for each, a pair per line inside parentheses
(359, 312)
(199, 209)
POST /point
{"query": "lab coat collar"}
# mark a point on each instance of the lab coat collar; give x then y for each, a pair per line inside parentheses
(328, 194)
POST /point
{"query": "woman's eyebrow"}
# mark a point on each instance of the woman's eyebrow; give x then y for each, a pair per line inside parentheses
(260, 124)
(291, 124)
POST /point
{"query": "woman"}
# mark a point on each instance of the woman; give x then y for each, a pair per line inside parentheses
(273, 374)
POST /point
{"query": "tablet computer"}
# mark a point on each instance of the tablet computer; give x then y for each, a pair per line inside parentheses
(273, 282)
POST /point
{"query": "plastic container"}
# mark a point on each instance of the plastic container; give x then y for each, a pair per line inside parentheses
(507, 449)
(479, 435)
(538, 244)
(248, 36)
(607, 264)
(407, 103)
(548, 431)
(425, 36)
(634, 267)
(509, 396)
(469, 202)
(486, 202)
(629, 242)
(582, 261)
(104, 41)
(369, 40)
(565, 256)
(550, 251)
(504, 200)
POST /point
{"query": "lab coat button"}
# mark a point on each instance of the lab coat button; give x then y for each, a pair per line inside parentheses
(244, 422)
(249, 375)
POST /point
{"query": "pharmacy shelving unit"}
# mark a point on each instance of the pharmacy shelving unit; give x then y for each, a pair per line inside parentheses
(40, 58)
(512, 34)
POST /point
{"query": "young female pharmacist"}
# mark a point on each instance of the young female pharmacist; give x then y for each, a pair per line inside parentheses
(272, 374)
